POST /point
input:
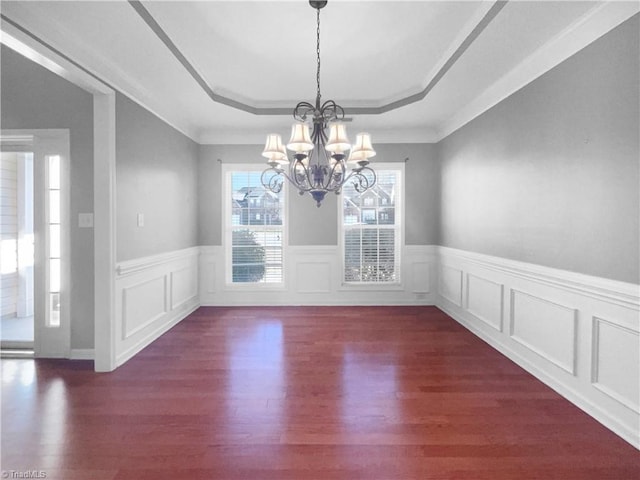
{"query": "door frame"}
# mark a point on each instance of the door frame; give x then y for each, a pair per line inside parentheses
(39, 51)
(48, 341)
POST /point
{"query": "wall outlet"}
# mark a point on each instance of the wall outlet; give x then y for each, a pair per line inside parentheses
(141, 219)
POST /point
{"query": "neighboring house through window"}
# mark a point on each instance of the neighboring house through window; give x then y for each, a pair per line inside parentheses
(254, 227)
(371, 228)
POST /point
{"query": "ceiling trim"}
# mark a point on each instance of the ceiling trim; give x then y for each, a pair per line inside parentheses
(30, 46)
(164, 38)
(584, 31)
(475, 32)
(41, 51)
(448, 63)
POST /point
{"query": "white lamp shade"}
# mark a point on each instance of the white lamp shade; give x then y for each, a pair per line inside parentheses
(274, 151)
(338, 141)
(362, 150)
(300, 140)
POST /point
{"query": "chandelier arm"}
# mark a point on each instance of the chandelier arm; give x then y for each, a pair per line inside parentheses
(335, 180)
(302, 110)
(305, 186)
(330, 111)
(274, 183)
(360, 181)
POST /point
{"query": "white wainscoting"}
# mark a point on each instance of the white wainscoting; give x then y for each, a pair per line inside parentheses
(152, 295)
(578, 334)
(313, 277)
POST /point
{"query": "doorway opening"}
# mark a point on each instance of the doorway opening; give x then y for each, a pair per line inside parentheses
(17, 250)
(34, 243)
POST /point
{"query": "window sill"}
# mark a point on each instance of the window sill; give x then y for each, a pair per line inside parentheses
(257, 287)
(371, 287)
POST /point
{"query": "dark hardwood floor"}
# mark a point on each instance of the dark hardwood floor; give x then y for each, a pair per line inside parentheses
(303, 393)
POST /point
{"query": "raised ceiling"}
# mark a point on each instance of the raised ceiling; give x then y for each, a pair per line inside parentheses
(232, 71)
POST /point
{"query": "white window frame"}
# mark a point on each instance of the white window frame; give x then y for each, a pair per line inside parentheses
(227, 229)
(399, 237)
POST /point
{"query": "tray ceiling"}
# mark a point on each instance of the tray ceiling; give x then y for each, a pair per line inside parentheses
(232, 71)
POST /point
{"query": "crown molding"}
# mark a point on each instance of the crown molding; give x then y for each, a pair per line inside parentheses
(591, 26)
(28, 45)
(243, 137)
(37, 47)
(463, 41)
(584, 31)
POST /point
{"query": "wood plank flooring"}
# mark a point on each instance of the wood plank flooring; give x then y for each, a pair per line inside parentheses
(303, 393)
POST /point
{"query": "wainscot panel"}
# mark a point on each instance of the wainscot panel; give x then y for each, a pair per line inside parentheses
(533, 318)
(577, 333)
(313, 277)
(484, 300)
(450, 284)
(616, 349)
(152, 295)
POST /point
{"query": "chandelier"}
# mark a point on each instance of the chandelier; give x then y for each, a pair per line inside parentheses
(322, 162)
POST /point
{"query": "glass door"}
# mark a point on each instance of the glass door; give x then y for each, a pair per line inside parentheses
(16, 250)
(46, 241)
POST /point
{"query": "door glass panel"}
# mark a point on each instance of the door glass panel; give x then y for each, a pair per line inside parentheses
(55, 241)
(54, 206)
(54, 309)
(54, 269)
(54, 172)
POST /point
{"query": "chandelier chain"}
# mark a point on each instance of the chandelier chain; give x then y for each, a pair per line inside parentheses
(318, 54)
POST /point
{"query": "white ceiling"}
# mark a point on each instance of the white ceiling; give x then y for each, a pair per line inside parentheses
(403, 70)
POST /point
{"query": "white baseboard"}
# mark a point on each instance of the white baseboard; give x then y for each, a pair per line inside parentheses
(82, 354)
(576, 333)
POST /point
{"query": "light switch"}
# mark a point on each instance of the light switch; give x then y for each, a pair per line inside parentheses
(85, 220)
(141, 219)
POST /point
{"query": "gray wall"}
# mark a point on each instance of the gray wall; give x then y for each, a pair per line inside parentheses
(550, 175)
(156, 175)
(35, 98)
(309, 225)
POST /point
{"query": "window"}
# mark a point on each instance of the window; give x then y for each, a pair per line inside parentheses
(254, 230)
(54, 176)
(371, 225)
